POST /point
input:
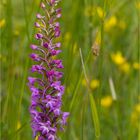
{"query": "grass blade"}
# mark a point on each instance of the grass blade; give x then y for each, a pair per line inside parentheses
(95, 117)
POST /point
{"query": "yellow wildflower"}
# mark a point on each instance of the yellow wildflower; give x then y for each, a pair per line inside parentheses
(16, 32)
(137, 5)
(118, 58)
(106, 101)
(111, 22)
(88, 10)
(2, 23)
(137, 108)
(125, 67)
(135, 116)
(67, 36)
(100, 12)
(136, 65)
(18, 124)
(84, 82)
(94, 84)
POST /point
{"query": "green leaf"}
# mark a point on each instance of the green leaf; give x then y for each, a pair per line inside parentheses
(95, 117)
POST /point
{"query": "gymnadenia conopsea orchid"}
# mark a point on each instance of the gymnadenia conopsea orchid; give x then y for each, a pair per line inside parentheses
(47, 90)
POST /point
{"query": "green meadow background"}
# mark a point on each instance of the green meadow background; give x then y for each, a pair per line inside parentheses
(101, 54)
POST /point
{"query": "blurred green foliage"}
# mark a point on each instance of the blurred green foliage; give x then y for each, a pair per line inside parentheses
(110, 28)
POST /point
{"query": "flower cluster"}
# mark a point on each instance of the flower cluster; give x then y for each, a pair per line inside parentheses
(46, 88)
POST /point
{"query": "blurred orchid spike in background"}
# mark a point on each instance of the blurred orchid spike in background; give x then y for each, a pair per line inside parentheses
(47, 90)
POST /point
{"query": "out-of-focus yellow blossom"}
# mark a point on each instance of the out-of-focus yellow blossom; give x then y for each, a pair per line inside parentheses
(121, 24)
(111, 22)
(106, 101)
(117, 58)
(2, 23)
(16, 32)
(101, 13)
(92, 10)
(89, 11)
(18, 124)
(67, 36)
(125, 67)
(135, 116)
(136, 66)
(138, 5)
(137, 108)
(94, 84)
(84, 82)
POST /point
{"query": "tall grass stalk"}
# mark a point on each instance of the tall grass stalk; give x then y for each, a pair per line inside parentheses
(95, 117)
